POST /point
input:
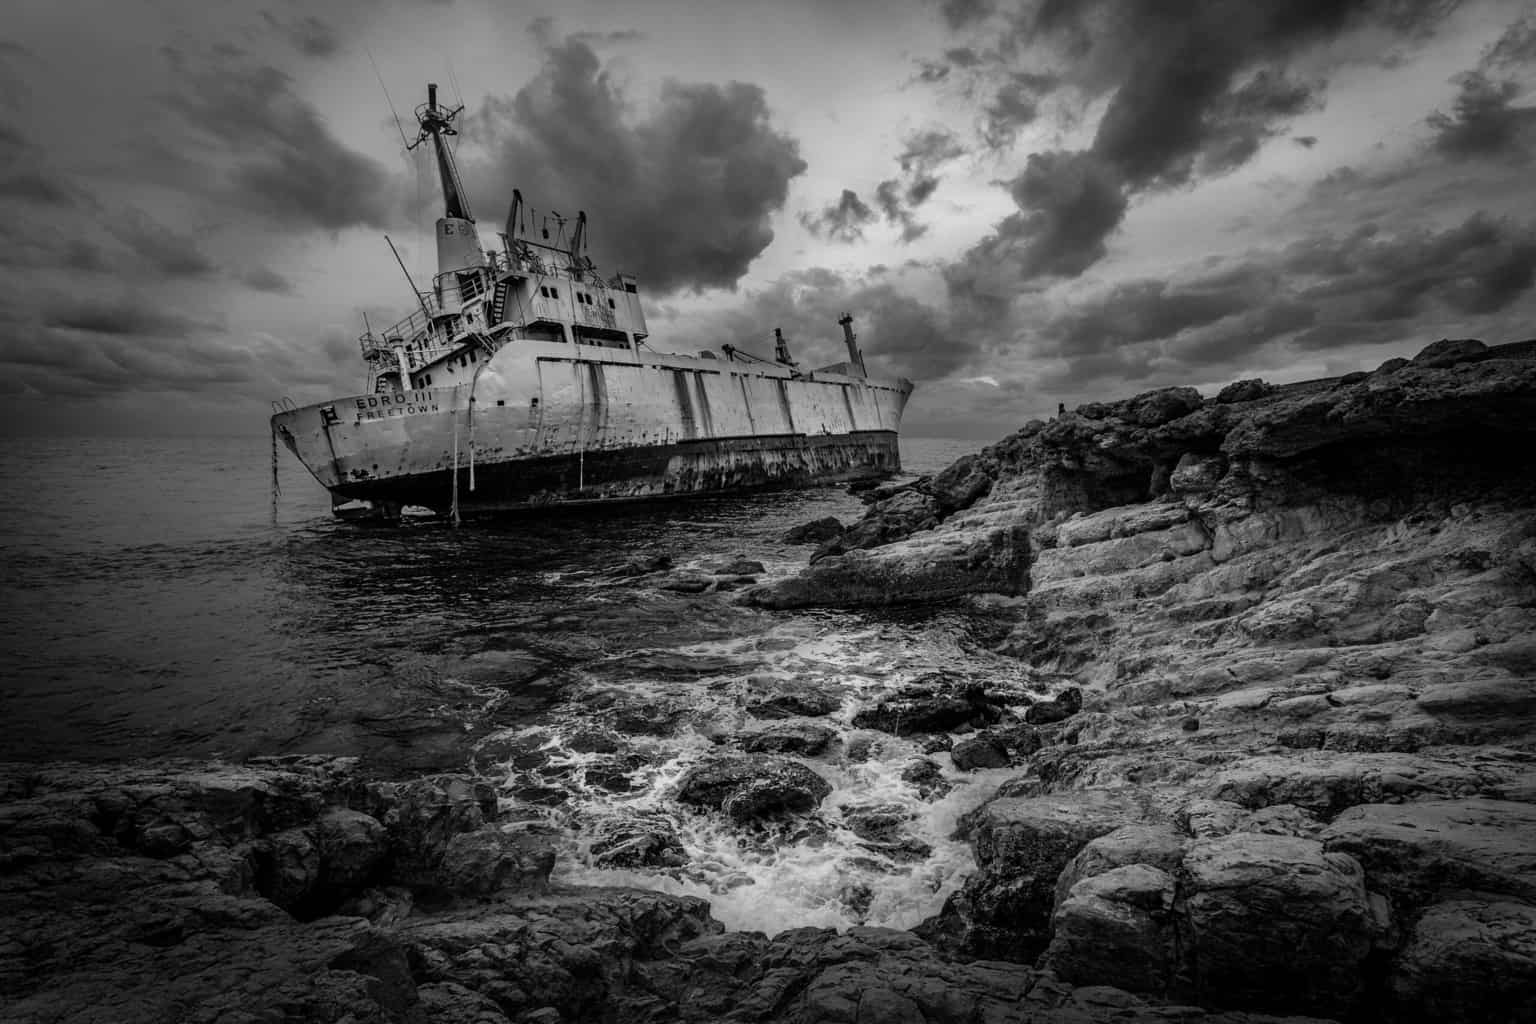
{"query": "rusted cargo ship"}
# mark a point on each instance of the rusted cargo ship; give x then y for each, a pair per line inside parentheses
(524, 378)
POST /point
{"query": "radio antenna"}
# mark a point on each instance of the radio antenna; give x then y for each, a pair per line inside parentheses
(422, 302)
(383, 88)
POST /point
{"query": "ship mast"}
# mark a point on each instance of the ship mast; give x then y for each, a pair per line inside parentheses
(436, 123)
(458, 242)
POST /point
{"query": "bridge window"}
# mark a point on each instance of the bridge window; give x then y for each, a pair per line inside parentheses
(611, 305)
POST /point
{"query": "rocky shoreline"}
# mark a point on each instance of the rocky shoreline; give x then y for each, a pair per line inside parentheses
(1275, 760)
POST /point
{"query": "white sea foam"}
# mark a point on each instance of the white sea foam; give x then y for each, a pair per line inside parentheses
(812, 870)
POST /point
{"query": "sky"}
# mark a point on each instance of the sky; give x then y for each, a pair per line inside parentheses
(1021, 202)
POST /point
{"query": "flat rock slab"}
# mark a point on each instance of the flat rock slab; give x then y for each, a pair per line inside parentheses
(1414, 850)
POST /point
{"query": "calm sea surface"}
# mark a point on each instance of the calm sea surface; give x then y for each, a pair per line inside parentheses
(149, 606)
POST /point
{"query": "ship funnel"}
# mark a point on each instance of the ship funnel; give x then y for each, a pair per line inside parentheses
(855, 357)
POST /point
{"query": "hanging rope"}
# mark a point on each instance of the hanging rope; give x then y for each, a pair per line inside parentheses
(473, 381)
(455, 506)
(277, 490)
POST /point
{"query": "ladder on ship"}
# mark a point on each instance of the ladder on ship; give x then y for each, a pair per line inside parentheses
(499, 302)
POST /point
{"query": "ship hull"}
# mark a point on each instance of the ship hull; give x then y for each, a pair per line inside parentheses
(540, 425)
(640, 473)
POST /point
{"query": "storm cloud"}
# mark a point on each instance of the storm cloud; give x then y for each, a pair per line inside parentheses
(840, 221)
(1193, 91)
(273, 152)
(681, 196)
(1324, 292)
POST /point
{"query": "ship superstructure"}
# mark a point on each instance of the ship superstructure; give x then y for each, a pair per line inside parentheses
(524, 377)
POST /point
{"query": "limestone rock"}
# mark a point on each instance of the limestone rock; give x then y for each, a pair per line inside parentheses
(806, 738)
(1158, 846)
(1249, 390)
(629, 842)
(1449, 352)
(1022, 845)
(753, 786)
(352, 845)
(1063, 706)
(486, 861)
(1468, 961)
(816, 531)
(933, 703)
(1278, 924)
(1417, 850)
(979, 751)
(1116, 928)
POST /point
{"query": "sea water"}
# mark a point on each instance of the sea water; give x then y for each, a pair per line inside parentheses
(151, 606)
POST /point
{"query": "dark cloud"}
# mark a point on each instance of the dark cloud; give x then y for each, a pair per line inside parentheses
(681, 197)
(1069, 203)
(1250, 115)
(959, 14)
(157, 249)
(963, 57)
(896, 202)
(310, 35)
(926, 150)
(264, 279)
(1515, 47)
(36, 187)
(274, 152)
(1193, 90)
(1325, 293)
(841, 221)
(1014, 105)
(1483, 121)
(123, 317)
(898, 198)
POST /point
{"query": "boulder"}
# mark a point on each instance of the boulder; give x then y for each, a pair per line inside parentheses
(633, 842)
(1157, 846)
(352, 845)
(491, 859)
(1154, 408)
(1022, 844)
(1250, 390)
(924, 775)
(962, 483)
(805, 738)
(751, 787)
(1449, 352)
(817, 531)
(1065, 704)
(1279, 924)
(1117, 929)
(980, 751)
(934, 703)
(422, 818)
(771, 697)
(1468, 961)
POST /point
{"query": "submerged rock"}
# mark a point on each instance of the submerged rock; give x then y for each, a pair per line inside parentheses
(807, 738)
(816, 531)
(933, 703)
(752, 787)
